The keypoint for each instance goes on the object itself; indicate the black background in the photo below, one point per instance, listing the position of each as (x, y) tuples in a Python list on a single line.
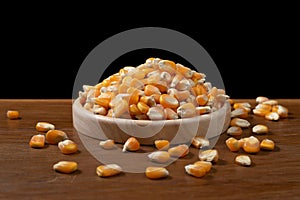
[(256, 53)]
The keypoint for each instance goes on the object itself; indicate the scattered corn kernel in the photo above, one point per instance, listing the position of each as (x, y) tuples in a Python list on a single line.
[(159, 156), (281, 110), (55, 136), (261, 99), (243, 160), (66, 167), (260, 129), (13, 114), (67, 146), (107, 144), (267, 144), (162, 144), (243, 123), (205, 164), (239, 112), (200, 142), (195, 170), (156, 172), (251, 145), (108, 170), (210, 155), (233, 144), (273, 116), (44, 126), (271, 102), (234, 131), (131, 144), (179, 151), (37, 141)]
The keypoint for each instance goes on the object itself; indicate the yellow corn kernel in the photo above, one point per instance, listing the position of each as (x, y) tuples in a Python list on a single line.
[(260, 112), (245, 105), (201, 110), (120, 108), (185, 71), (55, 136), (139, 74), (149, 100), (151, 89), (243, 160), (205, 164), (234, 131), (265, 107), (156, 97), (261, 99), (199, 89), (133, 110), (159, 156), (251, 145), (231, 101), (233, 144), (184, 84), (202, 99), (200, 142), (168, 66), (210, 155), (273, 116), (99, 110), (186, 110), (197, 76), (13, 114), (243, 123), (271, 102), (66, 167), (267, 144), (104, 98), (44, 126), (107, 144), (123, 89), (144, 108), (239, 112), (162, 144), (156, 172), (168, 101), (108, 170), (260, 129), (161, 85), (170, 113), (135, 83), (156, 113), (179, 151), (37, 141), (134, 97), (195, 170), (131, 144), (67, 146), (281, 110)]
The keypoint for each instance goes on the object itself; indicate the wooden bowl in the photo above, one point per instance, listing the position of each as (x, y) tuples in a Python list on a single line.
[(147, 131)]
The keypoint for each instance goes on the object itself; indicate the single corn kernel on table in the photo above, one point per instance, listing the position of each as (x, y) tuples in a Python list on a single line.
[(27, 173)]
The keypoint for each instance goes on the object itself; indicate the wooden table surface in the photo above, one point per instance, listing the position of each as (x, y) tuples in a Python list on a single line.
[(26, 173)]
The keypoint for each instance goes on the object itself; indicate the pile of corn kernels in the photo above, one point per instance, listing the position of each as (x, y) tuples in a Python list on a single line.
[(155, 90)]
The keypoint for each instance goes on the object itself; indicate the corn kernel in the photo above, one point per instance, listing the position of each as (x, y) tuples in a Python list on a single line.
[(170, 114), (55, 136), (168, 101), (179, 151), (131, 144), (159, 156), (200, 142), (243, 123), (260, 129), (195, 170), (66, 167), (108, 170), (156, 172), (107, 144), (44, 126), (151, 89), (251, 145), (271, 102), (162, 144), (239, 112), (267, 144), (156, 113), (67, 146), (37, 141), (281, 110), (261, 99), (234, 131), (233, 144), (210, 155), (273, 116), (205, 164), (202, 99), (13, 114), (186, 110), (243, 160)]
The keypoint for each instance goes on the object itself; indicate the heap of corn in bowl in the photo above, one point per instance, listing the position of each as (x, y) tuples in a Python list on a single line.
[(155, 90)]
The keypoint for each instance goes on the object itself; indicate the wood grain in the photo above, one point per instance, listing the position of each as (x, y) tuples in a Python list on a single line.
[(26, 173)]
